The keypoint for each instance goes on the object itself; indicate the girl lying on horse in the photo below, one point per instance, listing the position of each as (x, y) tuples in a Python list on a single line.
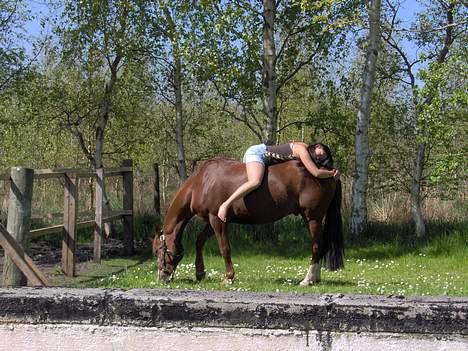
[(314, 157)]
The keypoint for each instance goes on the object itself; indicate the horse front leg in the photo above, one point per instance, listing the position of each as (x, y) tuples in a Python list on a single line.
[(313, 274), (202, 237), (221, 230)]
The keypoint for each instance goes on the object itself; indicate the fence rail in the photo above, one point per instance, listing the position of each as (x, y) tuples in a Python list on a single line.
[(20, 186), (37, 233)]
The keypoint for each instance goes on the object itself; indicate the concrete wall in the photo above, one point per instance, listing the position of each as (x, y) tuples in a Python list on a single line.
[(99, 319)]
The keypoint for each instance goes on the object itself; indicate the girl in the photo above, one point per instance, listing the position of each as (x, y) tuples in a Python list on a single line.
[(257, 157)]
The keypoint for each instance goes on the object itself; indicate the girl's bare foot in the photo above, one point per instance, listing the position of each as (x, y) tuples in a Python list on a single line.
[(222, 212)]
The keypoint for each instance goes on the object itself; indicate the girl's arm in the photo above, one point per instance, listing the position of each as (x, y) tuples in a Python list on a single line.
[(300, 151)]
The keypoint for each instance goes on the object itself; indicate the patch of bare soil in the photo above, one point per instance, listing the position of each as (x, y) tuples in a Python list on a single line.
[(48, 258)]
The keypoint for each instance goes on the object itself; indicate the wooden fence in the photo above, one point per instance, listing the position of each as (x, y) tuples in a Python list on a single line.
[(17, 265)]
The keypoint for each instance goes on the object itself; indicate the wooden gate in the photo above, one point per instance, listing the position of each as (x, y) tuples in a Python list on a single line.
[(18, 266)]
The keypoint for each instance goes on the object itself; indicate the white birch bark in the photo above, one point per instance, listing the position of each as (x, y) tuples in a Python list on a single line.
[(359, 193)]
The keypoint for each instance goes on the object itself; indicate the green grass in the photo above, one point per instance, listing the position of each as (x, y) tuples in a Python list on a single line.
[(388, 261)]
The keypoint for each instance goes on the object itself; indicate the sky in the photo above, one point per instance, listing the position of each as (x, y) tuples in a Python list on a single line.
[(40, 11), (408, 11)]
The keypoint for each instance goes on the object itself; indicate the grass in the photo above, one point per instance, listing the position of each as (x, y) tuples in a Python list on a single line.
[(388, 261)]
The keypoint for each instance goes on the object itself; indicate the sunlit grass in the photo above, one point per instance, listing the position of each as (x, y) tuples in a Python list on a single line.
[(436, 266)]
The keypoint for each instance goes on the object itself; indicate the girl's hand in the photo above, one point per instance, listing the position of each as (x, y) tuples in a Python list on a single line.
[(336, 174)]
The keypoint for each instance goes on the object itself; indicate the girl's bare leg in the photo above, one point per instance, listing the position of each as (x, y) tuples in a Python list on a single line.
[(255, 172)]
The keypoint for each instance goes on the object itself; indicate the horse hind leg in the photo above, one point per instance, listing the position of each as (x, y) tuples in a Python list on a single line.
[(202, 237), (313, 274), (221, 230)]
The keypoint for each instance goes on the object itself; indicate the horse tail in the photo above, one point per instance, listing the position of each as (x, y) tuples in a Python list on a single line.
[(333, 258)]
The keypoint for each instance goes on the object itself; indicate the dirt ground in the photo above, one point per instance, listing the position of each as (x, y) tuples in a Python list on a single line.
[(48, 259)]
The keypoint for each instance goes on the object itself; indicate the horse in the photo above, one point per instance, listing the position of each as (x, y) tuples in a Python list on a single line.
[(287, 188)]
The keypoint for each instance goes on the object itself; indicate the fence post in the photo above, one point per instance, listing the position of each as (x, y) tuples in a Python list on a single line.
[(128, 205), (70, 214), (98, 225), (157, 197), (18, 221)]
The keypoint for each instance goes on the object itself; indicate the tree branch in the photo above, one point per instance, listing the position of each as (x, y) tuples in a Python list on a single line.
[(301, 64)]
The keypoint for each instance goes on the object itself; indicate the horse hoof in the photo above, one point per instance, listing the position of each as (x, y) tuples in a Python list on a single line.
[(228, 281), (305, 283), (200, 276)]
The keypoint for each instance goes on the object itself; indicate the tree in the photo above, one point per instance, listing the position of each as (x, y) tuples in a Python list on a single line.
[(359, 196), (436, 41), (255, 49), (12, 56), (103, 36), (170, 20)]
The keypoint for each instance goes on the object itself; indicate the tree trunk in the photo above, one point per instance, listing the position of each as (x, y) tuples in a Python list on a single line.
[(177, 82), (179, 129), (415, 189), (104, 112), (269, 72), (415, 195), (359, 195), (269, 100)]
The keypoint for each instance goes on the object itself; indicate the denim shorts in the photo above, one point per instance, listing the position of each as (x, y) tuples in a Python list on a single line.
[(255, 153)]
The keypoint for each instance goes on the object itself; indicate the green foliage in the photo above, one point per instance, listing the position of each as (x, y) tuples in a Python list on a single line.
[(48, 114), (231, 56), (443, 104), (13, 59)]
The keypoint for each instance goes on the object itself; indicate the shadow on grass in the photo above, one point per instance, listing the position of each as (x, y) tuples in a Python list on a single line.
[(114, 266), (382, 241)]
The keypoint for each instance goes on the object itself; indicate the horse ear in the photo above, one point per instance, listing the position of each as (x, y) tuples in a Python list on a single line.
[(157, 230)]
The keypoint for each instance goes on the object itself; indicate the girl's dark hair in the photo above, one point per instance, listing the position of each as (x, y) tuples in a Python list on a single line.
[(327, 162)]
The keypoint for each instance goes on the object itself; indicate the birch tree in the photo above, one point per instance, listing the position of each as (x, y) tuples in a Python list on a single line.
[(255, 49), (359, 192)]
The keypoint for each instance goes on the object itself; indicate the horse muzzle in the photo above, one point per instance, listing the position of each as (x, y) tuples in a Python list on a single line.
[(165, 275)]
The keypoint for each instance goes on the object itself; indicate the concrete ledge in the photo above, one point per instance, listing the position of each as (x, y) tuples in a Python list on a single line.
[(366, 322), (160, 307)]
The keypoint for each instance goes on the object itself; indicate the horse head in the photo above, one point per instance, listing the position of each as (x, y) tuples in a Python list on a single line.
[(167, 259)]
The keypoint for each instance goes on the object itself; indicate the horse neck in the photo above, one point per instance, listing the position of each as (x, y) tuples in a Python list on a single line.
[(177, 216)]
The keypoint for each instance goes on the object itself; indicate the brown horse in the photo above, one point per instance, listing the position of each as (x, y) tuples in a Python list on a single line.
[(287, 188)]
